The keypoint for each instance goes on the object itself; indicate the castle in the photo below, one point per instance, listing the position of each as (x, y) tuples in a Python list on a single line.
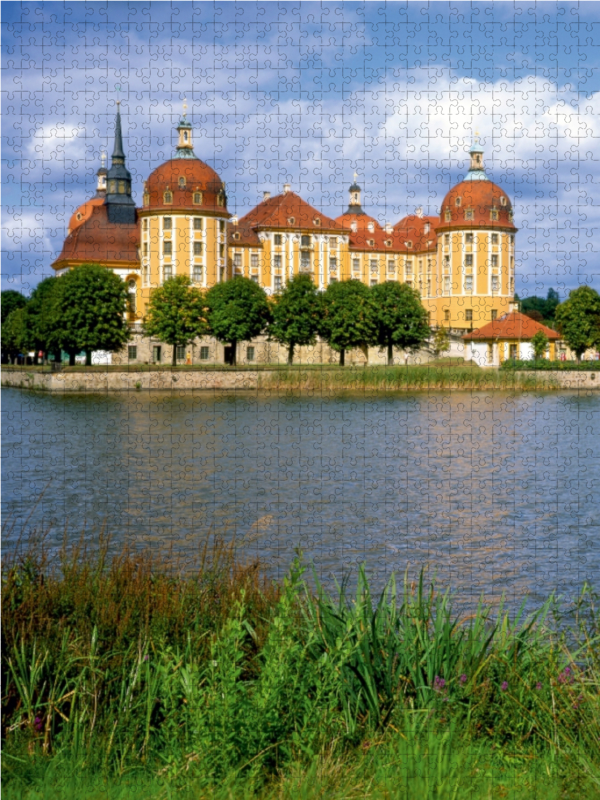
[(462, 262)]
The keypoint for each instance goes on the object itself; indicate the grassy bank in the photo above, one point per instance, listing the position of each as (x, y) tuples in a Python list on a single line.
[(415, 377), (130, 677)]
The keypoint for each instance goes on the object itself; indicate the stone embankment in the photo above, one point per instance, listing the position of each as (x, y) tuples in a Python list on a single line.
[(111, 380)]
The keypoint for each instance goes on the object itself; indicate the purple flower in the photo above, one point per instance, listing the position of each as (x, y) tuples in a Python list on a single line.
[(565, 676), (438, 683), (38, 724), (463, 678), (146, 657), (504, 686), (538, 686)]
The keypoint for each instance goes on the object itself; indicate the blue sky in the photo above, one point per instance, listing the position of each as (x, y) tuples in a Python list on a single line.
[(308, 93)]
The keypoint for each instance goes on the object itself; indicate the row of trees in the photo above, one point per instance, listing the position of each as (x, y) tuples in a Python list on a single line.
[(83, 310), (346, 315)]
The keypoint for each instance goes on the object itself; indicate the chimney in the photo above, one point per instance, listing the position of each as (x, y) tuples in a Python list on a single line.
[(286, 188), (266, 196)]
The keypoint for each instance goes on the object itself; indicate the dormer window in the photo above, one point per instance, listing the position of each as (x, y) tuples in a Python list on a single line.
[(447, 215), (458, 201), (388, 243), (409, 245), (503, 201), (181, 183), (469, 213), (221, 198), (371, 227), (494, 214), (197, 198), (316, 221), (427, 228), (146, 199), (236, 236), (371, 243), (353, 227), (168, 198), (291, 220)]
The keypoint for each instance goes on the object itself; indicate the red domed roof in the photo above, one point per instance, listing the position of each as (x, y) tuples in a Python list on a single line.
[(84, 212), (362, 222), (419, 230), (478, 198), (198, 177), (97, 240)]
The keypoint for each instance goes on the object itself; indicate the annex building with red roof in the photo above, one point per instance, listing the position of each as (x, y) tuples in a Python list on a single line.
[(507, 337)]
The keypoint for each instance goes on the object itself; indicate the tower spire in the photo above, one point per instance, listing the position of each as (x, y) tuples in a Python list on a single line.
[(476, 171), (118, 151), (185, 147), (119, 202)]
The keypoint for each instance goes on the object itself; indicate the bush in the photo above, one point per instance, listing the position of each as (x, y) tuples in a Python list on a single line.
[(543, 364)]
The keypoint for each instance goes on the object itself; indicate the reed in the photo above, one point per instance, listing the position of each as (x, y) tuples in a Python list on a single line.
[(130, 671)]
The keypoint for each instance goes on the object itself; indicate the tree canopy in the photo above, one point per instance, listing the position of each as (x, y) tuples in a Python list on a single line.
[(237, 311), (400, 317), (348, 318), (176, 313), (539, 342), (41, 317), (578, 320), (296, 314), (10, 300), (90, 303), (14, 333), (544, 307)]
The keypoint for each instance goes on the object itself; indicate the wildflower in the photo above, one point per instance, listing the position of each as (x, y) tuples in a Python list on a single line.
[(504, 686), (463, 679), (565, 676), (146, 657), (538, 686), (38, 724), (438, 684)]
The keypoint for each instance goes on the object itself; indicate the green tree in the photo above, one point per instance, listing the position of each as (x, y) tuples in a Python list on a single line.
[(176, 313), (14, 334), (539, 308), (10, 301), (296, 314), (539, 343), (400, 318), (578, 319), (89, 309), (41, 318), (441, 341), (237, 312), (348, 318)]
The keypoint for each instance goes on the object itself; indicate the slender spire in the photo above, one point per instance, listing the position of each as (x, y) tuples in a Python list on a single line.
[(120, 203), (118, 151)]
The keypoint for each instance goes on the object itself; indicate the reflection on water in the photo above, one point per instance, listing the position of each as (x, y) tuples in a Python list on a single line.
[(496, 493)]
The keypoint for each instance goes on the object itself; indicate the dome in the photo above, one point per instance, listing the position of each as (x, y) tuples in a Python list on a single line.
[(84, 212), (362, 221), (97, 239), (477, 203), (419, 230), (184, 178)]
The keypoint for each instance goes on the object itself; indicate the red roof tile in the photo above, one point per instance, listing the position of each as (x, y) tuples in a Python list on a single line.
[(97, 240), (512, 326), (198, 177), (288, 210), (480, 197)]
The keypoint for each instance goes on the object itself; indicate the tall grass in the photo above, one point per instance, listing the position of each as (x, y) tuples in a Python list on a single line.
[(418, 377), (219, 682)]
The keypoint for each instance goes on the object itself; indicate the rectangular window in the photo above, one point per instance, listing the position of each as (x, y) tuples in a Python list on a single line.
[(469, 238), (356, 265), (409, 267), (197, 248), (494, 314), (494, 262), (469, 315), (305, 241), (469, 214), (409, 283), (333, 241), (197, 274), (145, 248), (332, 263), (447, 285), (513, 351), (221, 226), (168, 248), (197, 223), (468, 283), (180, 352), (468, 260), (446, 239), (428, 287), (168, 271), (493, 214), (156, 354), (277, 261), (305, 260), (391, 266), (167, 223), (429, 264), (204, 353), (277, 282), (237, 260), (446, 315), (511, 286), (495, 283), (132, 352), (254, 260), (420, 265), (373, 265), (221, 251), (254, 278), (494, 238), (374, 282), (277, 239), (446, 262), (250, 354)]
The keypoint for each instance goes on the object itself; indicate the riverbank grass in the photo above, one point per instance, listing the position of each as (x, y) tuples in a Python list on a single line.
[(129, 676)]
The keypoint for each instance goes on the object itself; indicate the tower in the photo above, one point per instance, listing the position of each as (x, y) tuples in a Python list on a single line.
[(119, 202), (102, 173)]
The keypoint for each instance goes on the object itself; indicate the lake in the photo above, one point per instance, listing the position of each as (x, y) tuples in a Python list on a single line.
[(496, 493)]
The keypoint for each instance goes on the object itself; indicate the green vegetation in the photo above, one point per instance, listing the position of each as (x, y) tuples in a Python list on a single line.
[(14, 333), (400, 318), (441, 341), (237, 312), (128, 676), (348, 317), (296, 315), (10, 301), (543, 364), (539, 342), (176, 313), (578, 320), (539, 308)]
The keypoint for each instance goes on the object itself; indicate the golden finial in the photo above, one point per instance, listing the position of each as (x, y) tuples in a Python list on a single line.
[(355, 176), (103, 158), (184, 106)]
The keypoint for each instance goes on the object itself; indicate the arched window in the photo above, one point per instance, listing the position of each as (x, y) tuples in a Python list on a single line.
[(132, 288), (181, 183), (458, 201), (221, 198), (121, 187), (503, 201), (447, 215), (168, 198), (185, 136), (197, 198)]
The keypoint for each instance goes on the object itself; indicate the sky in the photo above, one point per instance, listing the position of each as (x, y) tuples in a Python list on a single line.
[(308, 94)]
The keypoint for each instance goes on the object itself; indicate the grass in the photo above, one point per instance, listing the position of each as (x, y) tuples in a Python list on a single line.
[(130, 676), (546, 365)]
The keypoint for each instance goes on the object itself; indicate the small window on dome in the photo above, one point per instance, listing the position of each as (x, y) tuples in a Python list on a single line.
[(168, 198), (409, 245), (197, 198), (388, 243), (181, 183), (112, 187), (371, 227), (503, 201), (447, 215), (469, 213), (79, 215), (494, 214), (316, 221), (221, 198), (236, 236), (185, 136), (371, 243), (291, 220), (146, 199), (458, 201)]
